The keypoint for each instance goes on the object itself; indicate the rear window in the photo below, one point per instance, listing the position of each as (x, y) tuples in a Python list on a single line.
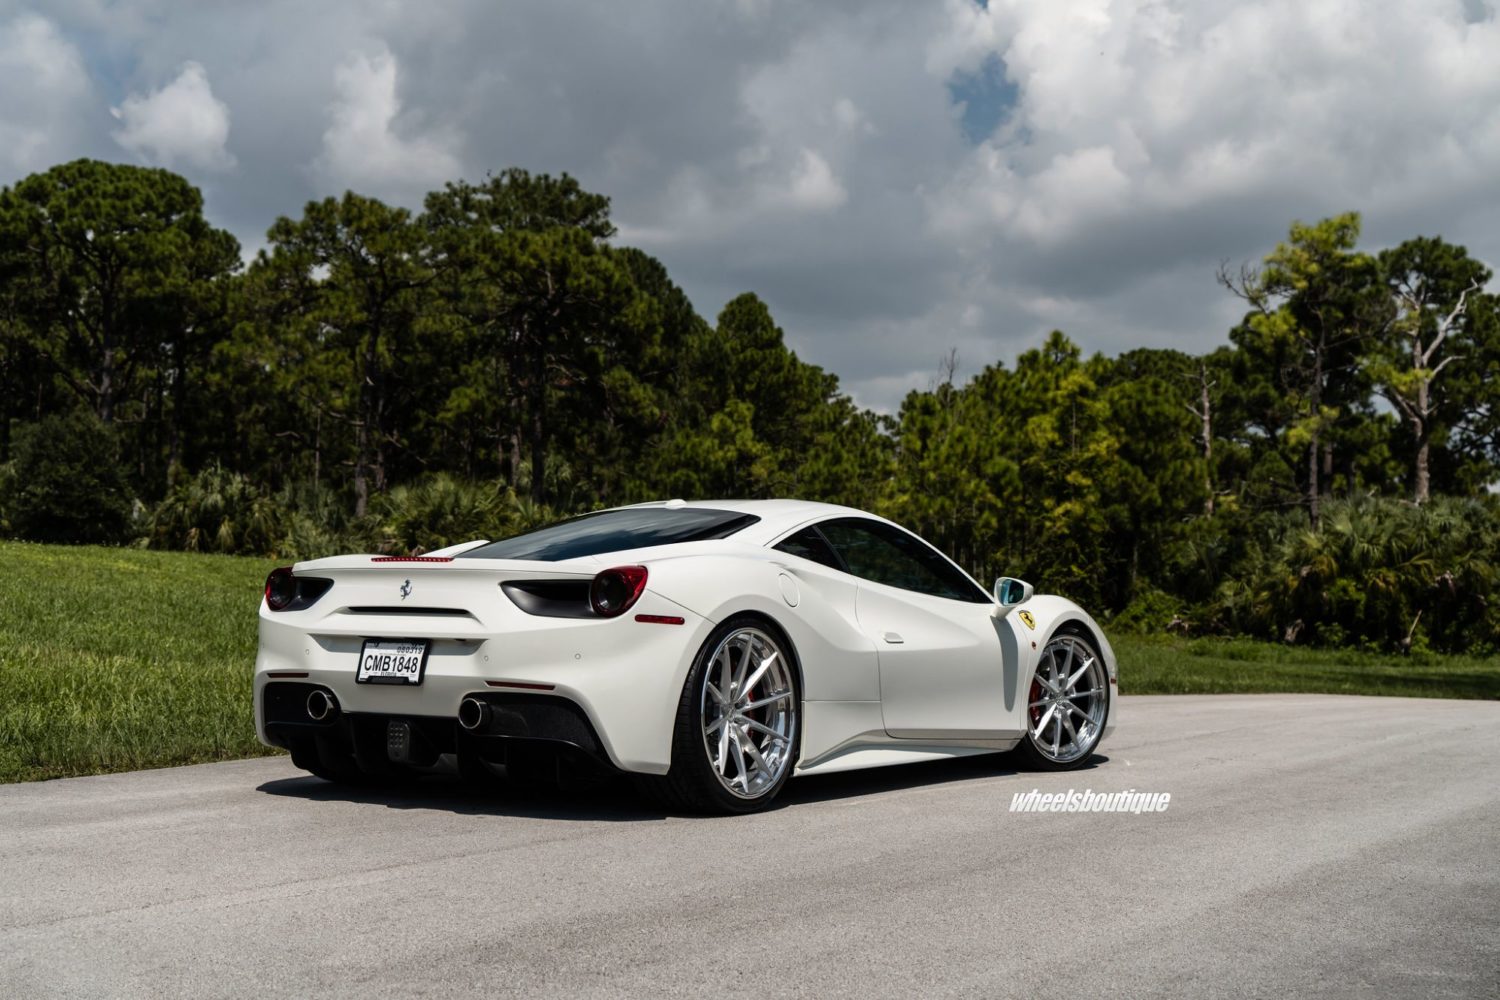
[(616, 531)]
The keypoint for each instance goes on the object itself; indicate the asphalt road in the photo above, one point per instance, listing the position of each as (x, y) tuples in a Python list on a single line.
[(1345, 847)]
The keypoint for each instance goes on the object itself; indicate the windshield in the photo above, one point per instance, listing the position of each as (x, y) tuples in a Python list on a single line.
[(616, 531)]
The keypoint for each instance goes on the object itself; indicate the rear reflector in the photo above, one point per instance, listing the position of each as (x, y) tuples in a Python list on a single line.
[(659, 619), (286, 673), (521, 684), (385, 559)]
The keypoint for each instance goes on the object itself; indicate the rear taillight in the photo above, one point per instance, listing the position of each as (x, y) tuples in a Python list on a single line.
[(615, 590), (287, 592), (281, 588)]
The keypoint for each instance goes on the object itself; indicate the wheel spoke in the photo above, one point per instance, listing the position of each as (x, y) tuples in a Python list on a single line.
[(718, 695), (1073, 680), (725, 678), (1041, 726), (748, 745), (760, 672), (713, 725), (1057, 735), (738, 686), (739, 761), (751, 723), (768, 700), (722, 763)]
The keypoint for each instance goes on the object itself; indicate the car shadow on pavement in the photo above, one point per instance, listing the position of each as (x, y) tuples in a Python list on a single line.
[(612, 801), (618, 801)]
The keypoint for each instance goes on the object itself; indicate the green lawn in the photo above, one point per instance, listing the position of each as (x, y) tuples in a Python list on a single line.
[(116, 659), (1152, 665)]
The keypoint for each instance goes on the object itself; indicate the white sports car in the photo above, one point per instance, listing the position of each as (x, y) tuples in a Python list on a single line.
[(710, 648)]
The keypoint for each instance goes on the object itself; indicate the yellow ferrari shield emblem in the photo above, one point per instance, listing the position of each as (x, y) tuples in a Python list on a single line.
[(1025, 616)]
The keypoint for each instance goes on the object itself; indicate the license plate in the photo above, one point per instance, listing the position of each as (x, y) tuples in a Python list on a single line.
[(392, 661)]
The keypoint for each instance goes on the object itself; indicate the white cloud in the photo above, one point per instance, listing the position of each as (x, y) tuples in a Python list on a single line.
[(47, 95), (1142, 109), (813, 152), (814, 186), (361, 146), (183, 123)]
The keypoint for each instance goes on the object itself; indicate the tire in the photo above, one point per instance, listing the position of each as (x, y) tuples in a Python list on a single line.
[(1053, 740), (709, 729)]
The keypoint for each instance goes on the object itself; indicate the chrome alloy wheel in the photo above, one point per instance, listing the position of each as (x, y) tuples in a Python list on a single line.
[(749, 710), (1069, 697)]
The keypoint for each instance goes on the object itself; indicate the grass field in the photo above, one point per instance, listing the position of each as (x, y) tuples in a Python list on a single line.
[(1152, 665), (117, 659)]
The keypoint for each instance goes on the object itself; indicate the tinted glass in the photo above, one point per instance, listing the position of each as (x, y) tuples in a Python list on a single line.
[(888, 555), (616, 531), (808, 544)]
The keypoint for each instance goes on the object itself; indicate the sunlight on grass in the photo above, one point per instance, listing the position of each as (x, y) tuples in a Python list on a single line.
[(116, 659)]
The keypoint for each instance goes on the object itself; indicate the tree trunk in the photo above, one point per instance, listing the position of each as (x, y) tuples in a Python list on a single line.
[(6, 400), (1208, 442), (515, 457), (538, 424), (1422, 477), (362, 430), (175, 446), (106, 406), (361, 486), (1314, 446)]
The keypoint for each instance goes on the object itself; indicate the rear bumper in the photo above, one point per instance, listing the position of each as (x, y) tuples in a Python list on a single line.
[(518, 724), (621, 679)]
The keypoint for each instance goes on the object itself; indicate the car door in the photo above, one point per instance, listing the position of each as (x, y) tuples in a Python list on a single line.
[(942, 671)]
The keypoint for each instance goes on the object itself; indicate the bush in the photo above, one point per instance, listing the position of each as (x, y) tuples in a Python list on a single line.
[(217, 511), (434, 512), (1379, 574), (1151, 611), (65, 484), (441, 510)]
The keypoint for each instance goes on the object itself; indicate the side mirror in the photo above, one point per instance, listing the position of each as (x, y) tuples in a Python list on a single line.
[(1010, 592)]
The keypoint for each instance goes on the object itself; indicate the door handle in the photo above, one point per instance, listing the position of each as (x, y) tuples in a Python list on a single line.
[(894, 638)]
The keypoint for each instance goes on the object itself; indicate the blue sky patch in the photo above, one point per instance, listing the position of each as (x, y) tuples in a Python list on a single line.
[(986, 96)]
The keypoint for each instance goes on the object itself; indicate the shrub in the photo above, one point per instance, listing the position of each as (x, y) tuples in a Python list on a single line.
[(65, 483), (441, 510), (1152, 611), (217, 511), (1381, 574), (434, 512)]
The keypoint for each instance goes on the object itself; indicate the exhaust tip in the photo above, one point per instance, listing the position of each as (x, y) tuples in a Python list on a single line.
[(473, 714), (321, 706)]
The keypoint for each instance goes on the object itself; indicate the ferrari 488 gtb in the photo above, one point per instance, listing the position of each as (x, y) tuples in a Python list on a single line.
[(712, 649)]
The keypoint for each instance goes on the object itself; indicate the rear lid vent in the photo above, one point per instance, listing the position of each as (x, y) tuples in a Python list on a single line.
[(397, 609)]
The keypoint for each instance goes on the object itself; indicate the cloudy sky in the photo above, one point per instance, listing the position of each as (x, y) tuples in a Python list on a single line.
[(895, 177)]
